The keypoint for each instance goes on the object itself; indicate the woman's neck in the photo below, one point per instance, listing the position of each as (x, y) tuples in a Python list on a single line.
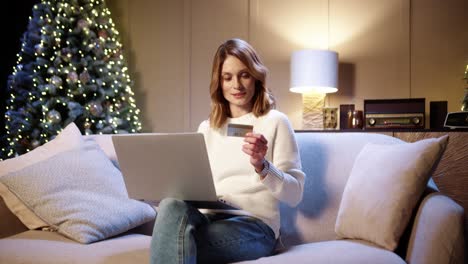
[(239, 111)]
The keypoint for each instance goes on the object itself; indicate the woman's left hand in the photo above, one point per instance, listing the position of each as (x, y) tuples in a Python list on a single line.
[(256, 147)]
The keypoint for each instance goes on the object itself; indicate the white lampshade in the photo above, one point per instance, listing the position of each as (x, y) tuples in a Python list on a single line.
[(314, 71)]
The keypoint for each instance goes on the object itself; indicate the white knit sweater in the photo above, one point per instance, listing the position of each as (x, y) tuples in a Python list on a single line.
[(235, 178)]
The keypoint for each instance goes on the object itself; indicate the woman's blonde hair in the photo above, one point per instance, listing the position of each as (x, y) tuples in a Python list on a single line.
[(263, 100)]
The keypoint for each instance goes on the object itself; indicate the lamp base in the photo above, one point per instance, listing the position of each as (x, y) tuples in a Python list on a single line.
[(312, 112)]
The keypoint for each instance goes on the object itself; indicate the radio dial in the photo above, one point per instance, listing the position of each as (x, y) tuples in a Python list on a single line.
[(371, 121), (416, 120)]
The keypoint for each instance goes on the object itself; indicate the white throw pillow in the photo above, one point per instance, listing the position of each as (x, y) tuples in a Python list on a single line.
[(383, 188), (80, 194), (69, 138)]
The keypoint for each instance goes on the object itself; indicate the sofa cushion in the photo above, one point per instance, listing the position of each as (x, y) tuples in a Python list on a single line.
[(41, 247), (79, 193), (47, 247), (333, 252), (327, 159), (106, 144), (383, 188), (69, 138)]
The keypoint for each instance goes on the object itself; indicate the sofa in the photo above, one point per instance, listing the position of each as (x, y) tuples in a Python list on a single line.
[(433, 234)]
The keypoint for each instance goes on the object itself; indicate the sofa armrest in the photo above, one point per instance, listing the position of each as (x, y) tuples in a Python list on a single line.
[(437, 235)]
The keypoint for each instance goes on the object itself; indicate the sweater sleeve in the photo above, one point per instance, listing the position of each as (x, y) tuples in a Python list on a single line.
[(285, 177)]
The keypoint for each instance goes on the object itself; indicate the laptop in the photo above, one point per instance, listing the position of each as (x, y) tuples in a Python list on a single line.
[(156, 166)]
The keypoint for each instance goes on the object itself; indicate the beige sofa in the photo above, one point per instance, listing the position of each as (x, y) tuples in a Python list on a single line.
[(434, 234)]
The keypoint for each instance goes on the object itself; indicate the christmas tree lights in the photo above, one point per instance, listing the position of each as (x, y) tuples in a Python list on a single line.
[(70, 69), (464, 106)]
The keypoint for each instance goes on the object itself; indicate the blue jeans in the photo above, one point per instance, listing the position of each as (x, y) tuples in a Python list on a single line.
[(182, 234)]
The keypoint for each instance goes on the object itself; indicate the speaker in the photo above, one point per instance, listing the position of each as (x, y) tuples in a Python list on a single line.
[(437, 114), (345, 113)]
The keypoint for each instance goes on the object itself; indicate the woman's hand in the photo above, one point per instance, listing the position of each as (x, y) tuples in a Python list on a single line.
[(256, 147)]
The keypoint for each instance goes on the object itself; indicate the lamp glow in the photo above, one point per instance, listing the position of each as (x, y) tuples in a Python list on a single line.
[(314, 71)]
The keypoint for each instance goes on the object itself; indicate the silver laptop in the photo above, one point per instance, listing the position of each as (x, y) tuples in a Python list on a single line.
[(156, 166)]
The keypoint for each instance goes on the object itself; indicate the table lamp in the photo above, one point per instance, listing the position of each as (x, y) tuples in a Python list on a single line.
[(314, 73)]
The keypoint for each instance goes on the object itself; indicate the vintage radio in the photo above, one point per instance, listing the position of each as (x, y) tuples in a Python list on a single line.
[(394, 113), (395, 120)]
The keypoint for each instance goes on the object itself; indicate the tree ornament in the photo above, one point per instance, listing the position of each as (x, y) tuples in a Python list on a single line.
[(24, 142), (98, 50), (118, 121), (35, 133), (72, 77), (54, 117), (102, 34), (39, 49), (107, 130), (84, 77), (117, 53), (83, 62), (66, 54), (55, 80), (103, 20), (95, 108), (35, 143), (82, 23), (41, 61), (51, 89), (57, 61)]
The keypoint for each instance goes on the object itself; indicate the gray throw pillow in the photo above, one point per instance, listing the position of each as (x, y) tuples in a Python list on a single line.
[(80, 194)]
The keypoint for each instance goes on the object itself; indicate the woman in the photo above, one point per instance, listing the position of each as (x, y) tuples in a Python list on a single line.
[(254, 172)]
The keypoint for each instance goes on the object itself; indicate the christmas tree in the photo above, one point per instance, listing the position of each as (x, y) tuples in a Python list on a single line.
[(70, 69), (465, 99)]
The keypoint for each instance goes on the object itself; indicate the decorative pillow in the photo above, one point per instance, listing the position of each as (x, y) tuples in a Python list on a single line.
[(69, 138), (383, 188), (79, 193)]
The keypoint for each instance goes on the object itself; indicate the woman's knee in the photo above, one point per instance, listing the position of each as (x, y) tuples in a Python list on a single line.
[(172, 205)]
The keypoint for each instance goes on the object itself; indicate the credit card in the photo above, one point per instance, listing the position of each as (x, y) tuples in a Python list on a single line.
[(238, 130)]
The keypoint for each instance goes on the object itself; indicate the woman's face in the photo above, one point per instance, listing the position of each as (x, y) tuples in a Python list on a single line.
[(238, 86)]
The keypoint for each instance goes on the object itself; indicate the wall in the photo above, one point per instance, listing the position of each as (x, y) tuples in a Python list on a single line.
[(387, 49)]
